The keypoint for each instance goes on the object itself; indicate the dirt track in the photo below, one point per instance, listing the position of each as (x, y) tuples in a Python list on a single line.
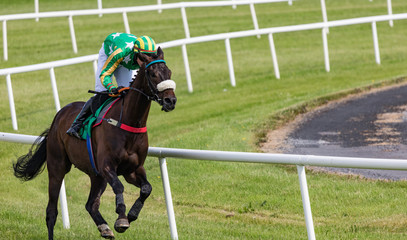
[(369, 125)]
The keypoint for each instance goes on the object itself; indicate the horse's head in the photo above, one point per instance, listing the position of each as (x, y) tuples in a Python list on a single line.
[(158, 76)]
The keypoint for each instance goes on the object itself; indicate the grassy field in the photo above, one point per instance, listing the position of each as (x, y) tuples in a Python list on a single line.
[(212, 200)]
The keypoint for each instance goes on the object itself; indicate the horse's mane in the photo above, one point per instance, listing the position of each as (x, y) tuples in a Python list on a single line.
[(139, 77)]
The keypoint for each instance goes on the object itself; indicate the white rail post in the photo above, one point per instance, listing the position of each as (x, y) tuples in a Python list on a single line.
[(306, 203), (375, 43), (159, 3), (290, 2), (185, 21), (390, 11), (73, 38), (126, 22), (64, 206), (230, 63), (326, 53), (274, 56), (36, 9), (324, 15), (100, 7), (5, 50), (254, 18), (234, 6), (54, 89), (187, 70), (11, 102), (95, 66), (168, 198)]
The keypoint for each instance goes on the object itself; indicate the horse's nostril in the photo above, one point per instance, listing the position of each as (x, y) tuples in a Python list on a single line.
[(170, 101)]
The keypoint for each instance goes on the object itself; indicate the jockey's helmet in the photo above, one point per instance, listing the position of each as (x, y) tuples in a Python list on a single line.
[(145, 44)]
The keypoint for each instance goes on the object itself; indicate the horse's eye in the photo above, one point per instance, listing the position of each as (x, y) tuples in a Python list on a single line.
[(153, 75)]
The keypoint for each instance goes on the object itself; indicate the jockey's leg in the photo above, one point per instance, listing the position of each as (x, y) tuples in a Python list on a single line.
[(78, 123)]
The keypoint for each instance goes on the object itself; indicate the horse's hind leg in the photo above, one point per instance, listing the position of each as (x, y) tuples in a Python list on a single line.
[(98, 186), (52, 208), (57, 168), (139, 179)]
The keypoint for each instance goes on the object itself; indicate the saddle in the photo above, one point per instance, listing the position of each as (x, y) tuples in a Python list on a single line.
[(96, 118)]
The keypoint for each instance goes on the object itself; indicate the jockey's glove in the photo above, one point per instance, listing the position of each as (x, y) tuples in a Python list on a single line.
[(116, 91)]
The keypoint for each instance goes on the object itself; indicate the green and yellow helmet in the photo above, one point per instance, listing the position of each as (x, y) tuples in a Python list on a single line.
[(145, 44)]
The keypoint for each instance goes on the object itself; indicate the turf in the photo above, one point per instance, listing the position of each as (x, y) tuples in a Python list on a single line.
[(212, 200)]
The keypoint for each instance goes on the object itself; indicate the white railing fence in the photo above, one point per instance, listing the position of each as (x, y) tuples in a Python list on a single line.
[(159, 7), (325, 16), (290, 159), (50, 66), (216, 37), (124, 11), (100, 7)]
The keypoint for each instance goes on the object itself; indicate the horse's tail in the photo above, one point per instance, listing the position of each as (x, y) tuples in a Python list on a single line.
[(30, 165)]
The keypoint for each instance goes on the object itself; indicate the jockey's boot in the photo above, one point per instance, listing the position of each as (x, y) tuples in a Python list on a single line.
[(78, 123)]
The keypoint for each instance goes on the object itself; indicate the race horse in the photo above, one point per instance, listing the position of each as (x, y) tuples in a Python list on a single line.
[(117, 150)]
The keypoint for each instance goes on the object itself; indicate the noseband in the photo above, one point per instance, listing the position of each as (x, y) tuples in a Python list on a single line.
[(154, 90)]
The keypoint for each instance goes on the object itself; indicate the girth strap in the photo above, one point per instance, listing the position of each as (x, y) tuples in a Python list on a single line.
[(90, 153)]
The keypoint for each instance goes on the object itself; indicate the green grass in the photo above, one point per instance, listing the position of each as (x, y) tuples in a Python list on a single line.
[(212, 200)]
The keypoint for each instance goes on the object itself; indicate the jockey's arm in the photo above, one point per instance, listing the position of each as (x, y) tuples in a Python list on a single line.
[(109, 67)]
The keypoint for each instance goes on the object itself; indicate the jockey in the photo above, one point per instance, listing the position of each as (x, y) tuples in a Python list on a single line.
[(118, 57)]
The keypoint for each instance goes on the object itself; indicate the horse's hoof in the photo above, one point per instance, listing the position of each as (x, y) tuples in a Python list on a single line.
[(105, 231), (121, 225)]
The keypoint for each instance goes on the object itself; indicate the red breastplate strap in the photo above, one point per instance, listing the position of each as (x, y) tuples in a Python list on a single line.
[(126, 127)]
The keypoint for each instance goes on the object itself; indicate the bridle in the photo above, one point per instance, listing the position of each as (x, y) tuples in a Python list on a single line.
[(155, 90)]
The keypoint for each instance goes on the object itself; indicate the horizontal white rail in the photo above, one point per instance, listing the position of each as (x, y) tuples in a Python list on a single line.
[(124, 10), (17, 138), (48, 65), (291, 159), (293, 28), (132, 9)]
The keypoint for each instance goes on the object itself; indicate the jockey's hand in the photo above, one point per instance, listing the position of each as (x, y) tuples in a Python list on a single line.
[(119, 88), (114, 91)]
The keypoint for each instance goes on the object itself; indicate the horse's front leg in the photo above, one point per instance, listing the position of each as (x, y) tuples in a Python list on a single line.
[(110, 175), (139, 179)]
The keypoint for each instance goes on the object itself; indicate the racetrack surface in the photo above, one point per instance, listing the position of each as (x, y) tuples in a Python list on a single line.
[(371, 125)]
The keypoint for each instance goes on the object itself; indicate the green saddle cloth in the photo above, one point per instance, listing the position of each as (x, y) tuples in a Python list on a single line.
[(90, 122)]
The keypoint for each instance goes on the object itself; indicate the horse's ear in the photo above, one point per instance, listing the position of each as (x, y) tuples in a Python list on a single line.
[(141, 58), (160, 53)]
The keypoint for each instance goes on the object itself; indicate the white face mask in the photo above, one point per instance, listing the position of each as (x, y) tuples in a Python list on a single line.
[(166, 84)]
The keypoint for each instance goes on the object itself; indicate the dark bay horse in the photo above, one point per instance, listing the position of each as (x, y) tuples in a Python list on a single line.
[(117, 151)]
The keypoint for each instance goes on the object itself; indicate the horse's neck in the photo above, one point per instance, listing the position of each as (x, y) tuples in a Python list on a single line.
[(136, 107)]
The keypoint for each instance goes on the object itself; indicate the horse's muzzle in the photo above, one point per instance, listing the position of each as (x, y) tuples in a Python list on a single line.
[(168, 104)]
